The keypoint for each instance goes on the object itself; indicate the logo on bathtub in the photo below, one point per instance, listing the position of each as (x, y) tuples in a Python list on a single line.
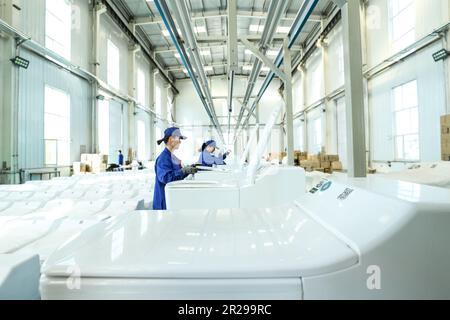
[(344, 195), (324, 185)]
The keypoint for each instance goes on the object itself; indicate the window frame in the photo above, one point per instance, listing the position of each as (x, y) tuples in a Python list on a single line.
[(394, 43), (395, 112), (66, 117)]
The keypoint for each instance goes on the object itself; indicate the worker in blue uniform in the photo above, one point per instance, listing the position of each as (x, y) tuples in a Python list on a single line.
[(168, 167), (120, 160), (207, 157)]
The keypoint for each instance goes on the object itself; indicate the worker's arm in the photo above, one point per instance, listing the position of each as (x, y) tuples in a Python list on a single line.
[(167, 174)]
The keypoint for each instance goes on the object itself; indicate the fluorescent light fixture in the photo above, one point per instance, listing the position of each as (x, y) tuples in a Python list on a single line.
[(272, 52), (177, 55), (248, 52), (283, 29), (256, 28), (20, 62), (441, 55), (247, 68), (209, 68), (185, 70), (200, 29), (265, 69), (166, 33), (205, 52)]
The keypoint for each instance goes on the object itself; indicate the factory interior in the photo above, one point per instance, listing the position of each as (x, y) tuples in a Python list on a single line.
[(224, 150)]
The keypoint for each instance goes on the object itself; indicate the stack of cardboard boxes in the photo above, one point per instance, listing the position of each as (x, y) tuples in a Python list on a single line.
[(445, 137), (278, 156), (299, 157), (91, 163), (321, 162)]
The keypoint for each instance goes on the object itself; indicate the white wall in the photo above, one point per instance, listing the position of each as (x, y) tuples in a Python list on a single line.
[(431, 95), (31, 21), (109, 31), (432, 82), (429, 16), (31, 109)]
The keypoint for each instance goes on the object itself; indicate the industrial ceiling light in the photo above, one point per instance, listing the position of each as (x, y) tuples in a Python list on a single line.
[(20, 62), (441, 55)]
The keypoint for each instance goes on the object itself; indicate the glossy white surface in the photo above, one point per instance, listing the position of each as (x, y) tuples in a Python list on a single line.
[(19, 277), (400, 231), (173, 289), (265, 243), (269, 190)]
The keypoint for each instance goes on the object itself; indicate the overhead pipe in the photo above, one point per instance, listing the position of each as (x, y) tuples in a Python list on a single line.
[(275, 13), (181, 12), (303, 15), (161, 5)]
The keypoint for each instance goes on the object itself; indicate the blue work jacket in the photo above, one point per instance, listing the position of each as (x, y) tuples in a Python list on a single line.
[(167, 169), (208, 159)]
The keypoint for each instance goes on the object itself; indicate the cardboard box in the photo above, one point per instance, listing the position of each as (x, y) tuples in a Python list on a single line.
[(445, 120), (305, 163), (325, 164), (446, 157), (336, 166), (315, 163)]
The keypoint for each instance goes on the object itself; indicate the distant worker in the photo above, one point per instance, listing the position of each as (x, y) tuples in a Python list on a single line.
[(120, 158), (207, 157), (168, 167)]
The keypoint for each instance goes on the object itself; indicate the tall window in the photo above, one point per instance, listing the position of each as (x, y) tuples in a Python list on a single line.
[(113, 65), (103, 127), (57, 127), (58, 26), (403, 21), (141, 140), (141, 92), (317, 135), (406, 119), (315, 131)]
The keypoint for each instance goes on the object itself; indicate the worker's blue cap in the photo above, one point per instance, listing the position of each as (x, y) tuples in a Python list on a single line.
[(211, 143), (172, 132)]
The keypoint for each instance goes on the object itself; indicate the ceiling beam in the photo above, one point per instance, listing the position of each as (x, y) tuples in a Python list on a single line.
[(221, 14), (211, 46)]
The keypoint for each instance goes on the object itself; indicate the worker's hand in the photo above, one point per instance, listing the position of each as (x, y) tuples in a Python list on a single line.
[(189, 170)]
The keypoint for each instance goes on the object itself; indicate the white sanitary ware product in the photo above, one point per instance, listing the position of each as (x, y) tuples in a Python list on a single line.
[(241, 254), (73, 194), (435, 174), (65, 231), (274, 186), (4, 205), (19, 277), (21, 208), (18, 232), (120, 207), (369, 238)]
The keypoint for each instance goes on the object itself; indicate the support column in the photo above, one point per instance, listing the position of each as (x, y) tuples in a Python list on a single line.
[(288, 99), (8, 102), (98, 10), (354, 91), (132, 51), (446, 9), (305, 96), (257, 123), (153, 137)]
